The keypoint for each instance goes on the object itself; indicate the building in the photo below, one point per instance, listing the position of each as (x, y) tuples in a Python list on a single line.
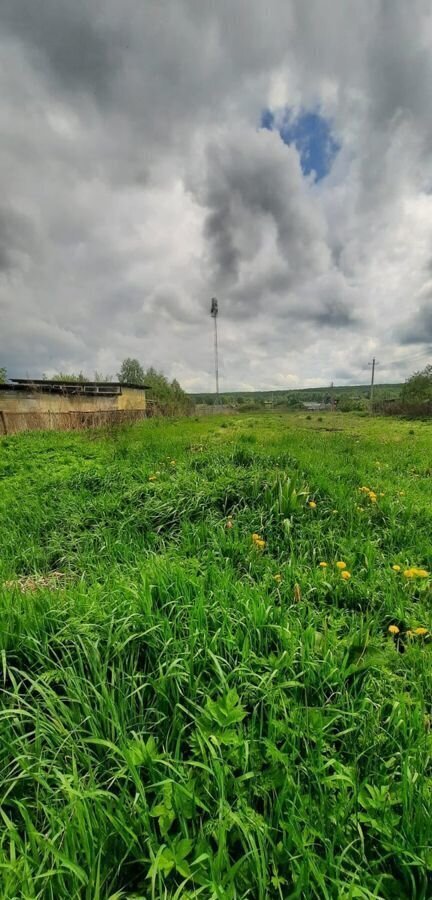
[(326, 404), (32, 404)]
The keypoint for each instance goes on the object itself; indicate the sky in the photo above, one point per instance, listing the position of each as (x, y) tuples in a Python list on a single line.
[(277, 156)]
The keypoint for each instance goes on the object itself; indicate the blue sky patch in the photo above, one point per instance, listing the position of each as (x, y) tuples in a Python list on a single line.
[(310, 133)]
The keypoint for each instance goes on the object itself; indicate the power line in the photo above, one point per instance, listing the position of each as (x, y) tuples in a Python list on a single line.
[(410, 358)]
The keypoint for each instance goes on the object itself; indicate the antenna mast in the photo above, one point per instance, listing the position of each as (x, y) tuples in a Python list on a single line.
[(214, 314)]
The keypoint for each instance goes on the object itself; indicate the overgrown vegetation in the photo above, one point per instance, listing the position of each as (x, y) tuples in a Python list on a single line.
[(168, 396), (215, 661), (418, 387)]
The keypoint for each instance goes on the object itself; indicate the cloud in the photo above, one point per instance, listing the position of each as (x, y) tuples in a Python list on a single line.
[(71, 40), (137, 183), (418, 328), (17, 239)]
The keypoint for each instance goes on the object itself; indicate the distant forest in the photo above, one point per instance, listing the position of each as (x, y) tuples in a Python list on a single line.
[(349, 395)]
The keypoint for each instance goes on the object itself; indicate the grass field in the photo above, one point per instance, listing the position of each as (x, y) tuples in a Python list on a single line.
[(190, 711)]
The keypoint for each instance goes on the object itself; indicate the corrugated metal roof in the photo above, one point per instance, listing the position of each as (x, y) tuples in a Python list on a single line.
[(95, 384)]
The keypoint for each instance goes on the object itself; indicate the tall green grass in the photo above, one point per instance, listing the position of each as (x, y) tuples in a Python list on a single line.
[(176, 722)]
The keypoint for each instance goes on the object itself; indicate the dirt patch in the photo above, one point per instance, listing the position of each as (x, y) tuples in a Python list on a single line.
[(27, 584)]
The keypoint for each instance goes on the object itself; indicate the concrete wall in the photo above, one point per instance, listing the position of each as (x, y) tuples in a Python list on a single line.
[(28, 410)]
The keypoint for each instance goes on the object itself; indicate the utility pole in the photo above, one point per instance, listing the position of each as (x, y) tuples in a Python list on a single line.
[(373, 364), (214, 314)]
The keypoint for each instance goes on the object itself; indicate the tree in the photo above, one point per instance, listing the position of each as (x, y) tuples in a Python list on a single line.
[(419, 386), (98, 376), (165, 393), (131, 372), (3, 374), (69, 378)]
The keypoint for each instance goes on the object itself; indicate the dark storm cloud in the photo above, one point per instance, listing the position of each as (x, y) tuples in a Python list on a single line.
[(334, 314), (254, 182), (419, 328), (70, 38)]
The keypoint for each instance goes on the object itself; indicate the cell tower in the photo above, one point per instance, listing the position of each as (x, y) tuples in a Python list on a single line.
[(214, 314)]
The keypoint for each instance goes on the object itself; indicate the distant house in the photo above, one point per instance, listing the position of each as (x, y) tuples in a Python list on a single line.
[(319, 407), (39, 404), (314, 407)]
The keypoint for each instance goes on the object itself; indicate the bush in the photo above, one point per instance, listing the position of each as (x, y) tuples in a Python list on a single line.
[(418, 387)]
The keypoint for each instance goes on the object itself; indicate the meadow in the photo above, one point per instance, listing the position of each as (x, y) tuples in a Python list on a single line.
[(215, 662)]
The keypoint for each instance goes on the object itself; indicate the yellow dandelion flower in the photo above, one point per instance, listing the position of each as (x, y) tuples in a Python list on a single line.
[(277, 578), (372, 498), (396, 568), (420, 631), (312, 504), (393, 629), (152, 477), (416, 573), (260, 544), (323, 565), (341, 565), (346, 575), (255, 536)]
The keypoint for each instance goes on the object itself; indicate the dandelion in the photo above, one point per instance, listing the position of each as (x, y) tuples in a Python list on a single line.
[(152, 477), (173, 462), (416, 573), (323, 565), (277, 578), (312, 504), (260, 544), (393, 629), (396, 568), (341, 565), (420, 631), (255, 536), (346, 575)]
